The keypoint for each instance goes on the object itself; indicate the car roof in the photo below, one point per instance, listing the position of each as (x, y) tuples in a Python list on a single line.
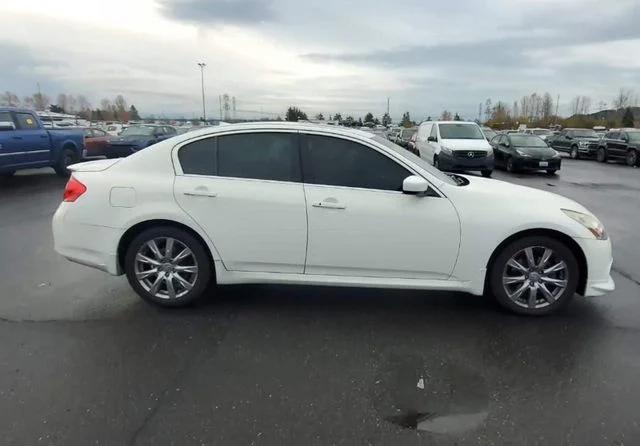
[(450, 122), (16, 109), (276, 125)]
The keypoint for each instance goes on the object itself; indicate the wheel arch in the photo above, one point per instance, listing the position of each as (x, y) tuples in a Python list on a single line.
[(561, 237), (139, 227)]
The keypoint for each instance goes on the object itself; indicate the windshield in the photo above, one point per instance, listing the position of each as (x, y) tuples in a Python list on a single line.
[(585, 133), (542, 132), (527, 141), (416, 159), (138, 131), (460, 131), (634, 136)]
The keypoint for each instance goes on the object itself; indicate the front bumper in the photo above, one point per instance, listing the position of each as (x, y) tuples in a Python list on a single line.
[(89, 245), (534, 163), (599, 262), (454, 163)]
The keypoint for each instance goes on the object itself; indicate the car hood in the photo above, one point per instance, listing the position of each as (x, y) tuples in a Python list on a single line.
[(466, 144), (519, 196), (545, 152)]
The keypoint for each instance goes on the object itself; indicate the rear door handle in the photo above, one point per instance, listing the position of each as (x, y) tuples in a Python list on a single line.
[(201, 194), (329, 205)]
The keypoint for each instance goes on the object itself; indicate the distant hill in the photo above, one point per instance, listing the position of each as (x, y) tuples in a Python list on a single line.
[(610, 115)]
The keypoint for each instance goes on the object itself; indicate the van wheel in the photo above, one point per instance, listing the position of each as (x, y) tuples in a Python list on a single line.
[(67, 157), (168, 266), (534, 276)]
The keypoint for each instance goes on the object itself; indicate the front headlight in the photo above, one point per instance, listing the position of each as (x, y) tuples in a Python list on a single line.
[(522, 153), (589, 222), (446, 150)]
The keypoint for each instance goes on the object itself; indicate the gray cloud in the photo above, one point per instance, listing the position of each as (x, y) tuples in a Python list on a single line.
[(218, 12)]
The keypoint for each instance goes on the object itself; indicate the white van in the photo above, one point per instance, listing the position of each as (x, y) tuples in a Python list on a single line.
[(455, 146)]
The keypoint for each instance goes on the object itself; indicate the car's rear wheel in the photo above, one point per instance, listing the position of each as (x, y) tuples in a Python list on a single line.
[(67, 157), (632, 158), (601, 155), (574, 153), (486, 173), (168, 266), (535, 275)]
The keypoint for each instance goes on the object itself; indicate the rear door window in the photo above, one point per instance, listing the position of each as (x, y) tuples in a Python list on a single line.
[(199, 157), (26, 121), (262, 156)]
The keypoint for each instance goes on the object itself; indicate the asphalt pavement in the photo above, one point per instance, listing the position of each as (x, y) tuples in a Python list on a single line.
[(84, 361)]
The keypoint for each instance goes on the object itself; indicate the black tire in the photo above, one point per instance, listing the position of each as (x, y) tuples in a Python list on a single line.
[(67, 157), (601, 155), (510, 166), (574, 153), (205, 267), (632, 158), (486, 173), (551, 171), (495, 274)]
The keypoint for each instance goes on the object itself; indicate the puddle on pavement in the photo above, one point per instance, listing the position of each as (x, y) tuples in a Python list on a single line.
[(441, 397)]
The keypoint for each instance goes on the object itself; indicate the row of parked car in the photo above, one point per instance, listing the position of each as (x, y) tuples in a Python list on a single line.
[(457, 145)]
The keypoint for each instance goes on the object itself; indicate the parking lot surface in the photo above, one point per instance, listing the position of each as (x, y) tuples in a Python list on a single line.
[(85, 361)]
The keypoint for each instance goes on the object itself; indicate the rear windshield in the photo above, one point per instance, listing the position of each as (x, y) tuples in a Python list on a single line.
[(460, 131), (527, 141)]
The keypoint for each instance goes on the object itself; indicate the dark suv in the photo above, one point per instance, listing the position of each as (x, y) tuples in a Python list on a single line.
[(621, 144), (575, 142)]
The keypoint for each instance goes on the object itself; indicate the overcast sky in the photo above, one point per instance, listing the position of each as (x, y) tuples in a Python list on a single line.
[(329, 56)]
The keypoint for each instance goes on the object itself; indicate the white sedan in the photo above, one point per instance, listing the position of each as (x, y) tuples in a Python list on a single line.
[(307, 204)]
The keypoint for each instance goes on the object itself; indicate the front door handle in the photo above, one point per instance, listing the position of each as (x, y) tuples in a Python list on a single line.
[(200, 194), (329, 204)]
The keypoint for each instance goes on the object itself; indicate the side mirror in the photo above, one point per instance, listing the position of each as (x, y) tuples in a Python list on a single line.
[(432, 139), (415, 185), (7, 125)]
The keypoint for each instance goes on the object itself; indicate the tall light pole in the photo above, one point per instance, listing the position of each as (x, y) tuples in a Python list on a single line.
[(204, 111)]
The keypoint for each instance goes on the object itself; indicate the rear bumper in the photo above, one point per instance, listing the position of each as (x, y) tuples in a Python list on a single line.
[(89, 245), (599, 262), (451, 162)]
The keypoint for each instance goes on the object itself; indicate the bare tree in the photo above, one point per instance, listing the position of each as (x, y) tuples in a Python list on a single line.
[(547, 106), (623, 98), (9, 98), (516, 111), (120, 104), (27, 101), (62, 102), (580, 105), (41, 101), (83, 103)]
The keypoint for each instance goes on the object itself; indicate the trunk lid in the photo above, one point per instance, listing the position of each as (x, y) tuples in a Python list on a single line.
[(93, 166)]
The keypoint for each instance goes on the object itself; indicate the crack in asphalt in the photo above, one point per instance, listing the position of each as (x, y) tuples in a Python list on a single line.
[(626, 275), (188, 365)]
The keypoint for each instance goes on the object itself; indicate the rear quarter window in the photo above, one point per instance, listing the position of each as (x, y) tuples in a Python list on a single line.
[(199, 157)]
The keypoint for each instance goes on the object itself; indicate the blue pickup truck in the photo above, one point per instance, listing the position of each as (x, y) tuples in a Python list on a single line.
[(26, 144)]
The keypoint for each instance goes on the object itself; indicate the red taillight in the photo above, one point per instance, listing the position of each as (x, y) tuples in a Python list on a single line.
[(73, 190)]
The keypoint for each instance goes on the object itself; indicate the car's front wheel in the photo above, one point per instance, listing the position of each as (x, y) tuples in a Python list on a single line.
[(168, 266), (574, 153), (535, 275), (601, 155), (632, 158)]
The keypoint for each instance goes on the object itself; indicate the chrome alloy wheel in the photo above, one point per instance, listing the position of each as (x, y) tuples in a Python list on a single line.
[(535, 277), (166, 268)]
